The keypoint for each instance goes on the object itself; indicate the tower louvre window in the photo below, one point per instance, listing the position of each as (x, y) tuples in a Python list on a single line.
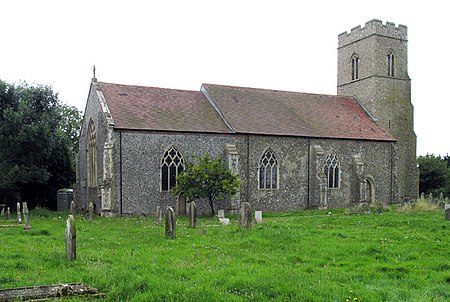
[(355, 67), (390, 64)]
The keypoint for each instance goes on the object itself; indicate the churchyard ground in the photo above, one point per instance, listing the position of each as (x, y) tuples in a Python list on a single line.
[(302, 256)]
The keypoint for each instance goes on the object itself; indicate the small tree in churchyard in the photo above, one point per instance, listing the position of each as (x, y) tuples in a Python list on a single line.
[(208, 178)]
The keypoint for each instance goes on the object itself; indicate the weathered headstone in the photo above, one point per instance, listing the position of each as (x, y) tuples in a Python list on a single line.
[(245, 215), (221, 214), (171, 223), (72, 208), (8, 213), (19, 215), (192, 215), (441, 196), (71, 238), (430, 197), (91, 211), (2, 213), (447, 211), (258, 216), (158, 215), (25, 216)]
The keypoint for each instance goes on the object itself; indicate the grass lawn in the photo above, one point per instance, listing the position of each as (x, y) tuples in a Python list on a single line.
[(302, 256)]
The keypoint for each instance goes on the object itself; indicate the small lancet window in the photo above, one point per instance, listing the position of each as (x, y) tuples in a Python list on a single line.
[(172, 164), (390, 63), (268, 170), (92, 155), (355, 67), (332, 170)]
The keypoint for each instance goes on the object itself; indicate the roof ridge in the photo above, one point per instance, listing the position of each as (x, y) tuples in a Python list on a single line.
[(150, 87)]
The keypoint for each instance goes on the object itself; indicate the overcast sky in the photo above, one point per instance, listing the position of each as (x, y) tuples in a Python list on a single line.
[(285, 45)]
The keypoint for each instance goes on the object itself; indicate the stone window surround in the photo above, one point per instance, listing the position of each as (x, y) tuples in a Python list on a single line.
[(332, 164), (273, 173), (180, 164)]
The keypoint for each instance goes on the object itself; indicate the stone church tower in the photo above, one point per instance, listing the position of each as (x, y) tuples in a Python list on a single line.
[(373, 68)]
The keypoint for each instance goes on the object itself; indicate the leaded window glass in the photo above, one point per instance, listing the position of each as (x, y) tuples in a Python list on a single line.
[(268, 170), (332, 170), (355, 67), (172, 164), (92, 155)]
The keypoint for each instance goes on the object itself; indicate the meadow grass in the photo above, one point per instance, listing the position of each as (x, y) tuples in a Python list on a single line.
[(300, 256)]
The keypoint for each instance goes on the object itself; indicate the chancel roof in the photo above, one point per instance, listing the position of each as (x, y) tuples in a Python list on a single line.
[(229, 109)]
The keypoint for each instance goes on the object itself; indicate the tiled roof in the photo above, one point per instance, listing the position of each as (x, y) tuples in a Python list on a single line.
[(262, 111), (149, 108)]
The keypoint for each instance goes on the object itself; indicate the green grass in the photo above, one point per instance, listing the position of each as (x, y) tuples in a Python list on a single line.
[(305, 256)]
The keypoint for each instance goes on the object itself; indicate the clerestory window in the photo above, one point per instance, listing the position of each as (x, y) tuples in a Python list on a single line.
[(332, 170), (172, 164), (390, 64), (268, 170), (355, 67)]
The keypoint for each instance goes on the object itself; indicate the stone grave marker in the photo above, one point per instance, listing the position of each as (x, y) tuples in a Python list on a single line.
[(422, 196), (8, 213), (221, 214), (447, 211), (258, 216), (245, 215), (2, 213), (158, 215), (72, 207), (91, 211), (224, 221), (192, 215), (430, 197), (171, 223), (441, 196), (25, 216), (71, 238), (19, 215)]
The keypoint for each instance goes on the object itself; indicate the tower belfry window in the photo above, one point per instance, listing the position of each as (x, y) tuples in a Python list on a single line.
[(355, 67), (390, 64)]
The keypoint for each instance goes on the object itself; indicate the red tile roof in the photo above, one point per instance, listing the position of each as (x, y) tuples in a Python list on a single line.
[(150, 108), (263, 111), (245, 110)]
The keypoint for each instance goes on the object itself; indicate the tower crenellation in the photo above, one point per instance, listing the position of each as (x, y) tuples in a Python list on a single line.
[(373, 27)]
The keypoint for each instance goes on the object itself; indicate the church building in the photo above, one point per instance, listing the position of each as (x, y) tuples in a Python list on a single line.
[(291, 150)]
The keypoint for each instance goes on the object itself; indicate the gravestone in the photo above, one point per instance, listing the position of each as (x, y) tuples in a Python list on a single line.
[(72, 207), (430, 197), (171, 223), (192, 215), (25, 216), (441, 196), (447, 211), (71, 238), (91, 211), (158, 215), (180, 205), (221, 214), (422, 196), (258, 216), (19, 215), (2, 213), (245, 215), (8, 213)]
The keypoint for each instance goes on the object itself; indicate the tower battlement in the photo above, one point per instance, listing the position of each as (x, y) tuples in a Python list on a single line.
[(373, 27)]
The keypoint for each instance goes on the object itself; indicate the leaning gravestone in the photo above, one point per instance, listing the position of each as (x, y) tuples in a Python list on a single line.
[(245, 215), (158, 215), (19, 215), (447, 211), (91, 211), (171, 223), (71, 238), (25, 216), (258, 216)]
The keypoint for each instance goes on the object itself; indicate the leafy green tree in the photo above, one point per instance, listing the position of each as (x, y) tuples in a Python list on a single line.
[(35, 159), (434, 174), (69, 128), (208, 178)]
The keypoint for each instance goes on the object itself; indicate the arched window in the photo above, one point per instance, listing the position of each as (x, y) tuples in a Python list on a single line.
[(332, 170), (390, 63), (355, 67), (172, 164), (268, 170), (92, 155)]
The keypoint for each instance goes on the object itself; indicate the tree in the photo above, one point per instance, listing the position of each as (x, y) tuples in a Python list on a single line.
[(434, 174), (208, 178), (34, 155), (69, 128)]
